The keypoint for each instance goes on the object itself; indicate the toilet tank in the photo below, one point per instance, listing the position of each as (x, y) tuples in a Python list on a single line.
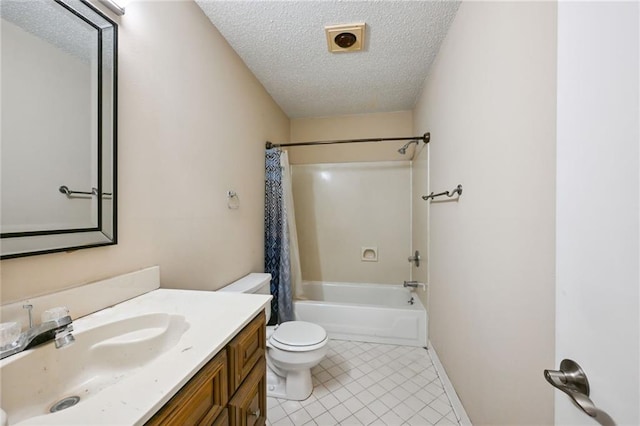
[(258, 283)]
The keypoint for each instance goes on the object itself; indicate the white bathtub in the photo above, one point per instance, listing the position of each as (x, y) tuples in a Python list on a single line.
[(376, 313)]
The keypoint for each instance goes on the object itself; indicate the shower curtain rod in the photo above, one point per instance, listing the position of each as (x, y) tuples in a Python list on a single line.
[(424, 138)]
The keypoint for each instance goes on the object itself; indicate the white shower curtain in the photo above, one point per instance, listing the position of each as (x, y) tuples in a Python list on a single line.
[(294, 253)]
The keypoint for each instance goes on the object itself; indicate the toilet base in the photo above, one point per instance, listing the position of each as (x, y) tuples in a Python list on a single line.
[(296, 387)]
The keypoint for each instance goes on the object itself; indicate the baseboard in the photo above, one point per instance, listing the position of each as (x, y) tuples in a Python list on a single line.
[(458, 408)]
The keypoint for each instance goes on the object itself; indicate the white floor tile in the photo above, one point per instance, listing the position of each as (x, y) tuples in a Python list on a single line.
[(333, 385), (425, 397), (271, 403), (377, 390), (400, 393), (441, 407), (369, 384), (326, 419), (391, 419), (336, 370), (329, 401), (452, 417), (378, 408), (320, 391), (323, 376), (389, 400), (434, 388), (312, 398), (403, 411), (290, 406), (353, 404), (342, 394), (365, 416), (387, 384), (315, 409), (414, 403), (366, 381), (327, 362), (430, 414), (340, 412), (284, 422), (446, 421), (350, 421), (418, 420), (410, 387), (300, 417), (276, 413), (366, 397), (354, 387), (344, 379)]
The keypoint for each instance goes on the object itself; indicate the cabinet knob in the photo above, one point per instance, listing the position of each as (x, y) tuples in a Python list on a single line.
[(255, 413)]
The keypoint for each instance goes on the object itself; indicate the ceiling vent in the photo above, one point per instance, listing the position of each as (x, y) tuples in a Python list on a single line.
[(345, 38)]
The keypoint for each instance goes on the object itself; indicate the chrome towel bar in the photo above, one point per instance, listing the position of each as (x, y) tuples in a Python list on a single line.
[(94, 191), (431, 196)]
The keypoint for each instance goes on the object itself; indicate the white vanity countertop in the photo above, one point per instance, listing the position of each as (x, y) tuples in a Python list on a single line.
[(213, 318)]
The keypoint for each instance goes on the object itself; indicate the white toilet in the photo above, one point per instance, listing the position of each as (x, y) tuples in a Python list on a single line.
[(293, 348)]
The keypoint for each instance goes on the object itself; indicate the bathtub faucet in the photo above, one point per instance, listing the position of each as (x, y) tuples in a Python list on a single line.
[(414, 284)]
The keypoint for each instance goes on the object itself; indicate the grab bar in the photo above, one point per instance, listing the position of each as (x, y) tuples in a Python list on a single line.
[(431, 196)]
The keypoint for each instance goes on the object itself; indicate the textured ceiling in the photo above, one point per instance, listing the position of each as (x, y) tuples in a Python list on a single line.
[(58, 26), (284, 45)]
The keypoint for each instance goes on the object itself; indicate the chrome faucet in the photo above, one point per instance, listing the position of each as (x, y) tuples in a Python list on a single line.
[(58, 329)]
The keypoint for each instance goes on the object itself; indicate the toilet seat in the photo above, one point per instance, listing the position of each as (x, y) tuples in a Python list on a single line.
[(298, 336)]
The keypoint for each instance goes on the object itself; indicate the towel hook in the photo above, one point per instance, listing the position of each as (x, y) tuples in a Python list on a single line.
[(233, 201)]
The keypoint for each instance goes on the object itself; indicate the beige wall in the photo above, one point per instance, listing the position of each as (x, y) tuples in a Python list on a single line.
[(341, 208), (361, 126), (193, 121), (490, 105)]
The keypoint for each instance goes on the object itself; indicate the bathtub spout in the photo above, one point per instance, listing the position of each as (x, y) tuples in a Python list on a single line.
[(414, 285)]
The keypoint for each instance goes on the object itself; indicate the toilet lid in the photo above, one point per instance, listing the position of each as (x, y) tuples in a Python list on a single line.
[(299, 333)]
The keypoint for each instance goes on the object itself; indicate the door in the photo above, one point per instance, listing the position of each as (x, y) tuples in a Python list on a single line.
[(597, 248)]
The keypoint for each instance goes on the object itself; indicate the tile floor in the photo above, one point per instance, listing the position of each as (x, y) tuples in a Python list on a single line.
[(369, 384)]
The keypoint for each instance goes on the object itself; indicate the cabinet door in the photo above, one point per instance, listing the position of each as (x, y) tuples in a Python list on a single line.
[(248, 407), (201, 400), (245, 350)]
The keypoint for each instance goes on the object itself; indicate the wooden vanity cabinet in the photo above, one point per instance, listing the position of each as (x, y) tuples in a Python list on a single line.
[(248, 407), (229, 390), (201, 400)]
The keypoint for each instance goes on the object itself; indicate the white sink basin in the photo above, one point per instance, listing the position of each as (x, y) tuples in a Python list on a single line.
[(35, 380)]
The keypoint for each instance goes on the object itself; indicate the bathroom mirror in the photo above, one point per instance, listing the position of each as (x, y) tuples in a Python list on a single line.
[(58, 133)]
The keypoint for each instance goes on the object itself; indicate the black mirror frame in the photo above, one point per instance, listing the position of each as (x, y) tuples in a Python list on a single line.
[(51, 241)]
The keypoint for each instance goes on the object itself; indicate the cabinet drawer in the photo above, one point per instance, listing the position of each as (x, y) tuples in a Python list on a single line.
[(248, 407), (222, 419), (201, 400), (245, 350)]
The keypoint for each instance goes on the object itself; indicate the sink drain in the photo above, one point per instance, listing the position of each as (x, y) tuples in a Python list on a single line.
[(69, 401)]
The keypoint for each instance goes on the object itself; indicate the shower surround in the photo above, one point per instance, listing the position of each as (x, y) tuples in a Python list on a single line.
[(342, 208)]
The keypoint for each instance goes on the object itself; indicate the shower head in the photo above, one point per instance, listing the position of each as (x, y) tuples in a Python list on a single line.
[(403, 150)]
